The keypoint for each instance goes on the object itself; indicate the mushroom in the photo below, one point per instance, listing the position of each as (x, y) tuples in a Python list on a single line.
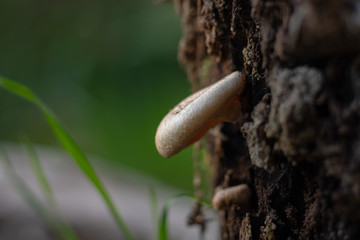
[(239, 195), (192, 117)]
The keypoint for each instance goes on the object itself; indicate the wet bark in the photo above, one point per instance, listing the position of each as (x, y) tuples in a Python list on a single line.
[(298, 144)]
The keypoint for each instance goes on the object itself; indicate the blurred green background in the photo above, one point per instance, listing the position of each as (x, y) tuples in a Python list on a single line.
[(109, 71)]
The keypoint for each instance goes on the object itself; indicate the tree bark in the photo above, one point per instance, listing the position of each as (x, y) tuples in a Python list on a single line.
[(298, 145)]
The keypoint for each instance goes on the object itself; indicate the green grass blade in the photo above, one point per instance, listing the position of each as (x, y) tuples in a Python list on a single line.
[(82, 161), (35, 164), (18, 89), (163, 233), (33, 202), (154, 208), (38, 172), (70, 146)]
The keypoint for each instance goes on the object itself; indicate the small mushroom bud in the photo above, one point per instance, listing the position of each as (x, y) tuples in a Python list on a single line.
[(239, 195), (192, 117)]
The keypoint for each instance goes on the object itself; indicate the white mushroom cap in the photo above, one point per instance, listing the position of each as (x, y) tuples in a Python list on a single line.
[(210, 105), (239, 195)]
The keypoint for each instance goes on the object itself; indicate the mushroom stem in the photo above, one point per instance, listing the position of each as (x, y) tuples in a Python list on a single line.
[(193, 116)]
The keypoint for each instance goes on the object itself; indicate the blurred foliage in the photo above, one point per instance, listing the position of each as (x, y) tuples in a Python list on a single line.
[(108, 69)]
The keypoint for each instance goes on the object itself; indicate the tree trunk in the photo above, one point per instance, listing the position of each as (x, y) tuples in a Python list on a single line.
[(298, 145)]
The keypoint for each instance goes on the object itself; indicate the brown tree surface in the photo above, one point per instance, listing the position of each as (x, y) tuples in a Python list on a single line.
[(298, 144)]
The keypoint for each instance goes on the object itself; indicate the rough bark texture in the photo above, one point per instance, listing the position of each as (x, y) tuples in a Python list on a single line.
[(298, 145)]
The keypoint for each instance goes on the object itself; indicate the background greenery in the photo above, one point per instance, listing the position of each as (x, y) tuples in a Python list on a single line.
[(107, 68)]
